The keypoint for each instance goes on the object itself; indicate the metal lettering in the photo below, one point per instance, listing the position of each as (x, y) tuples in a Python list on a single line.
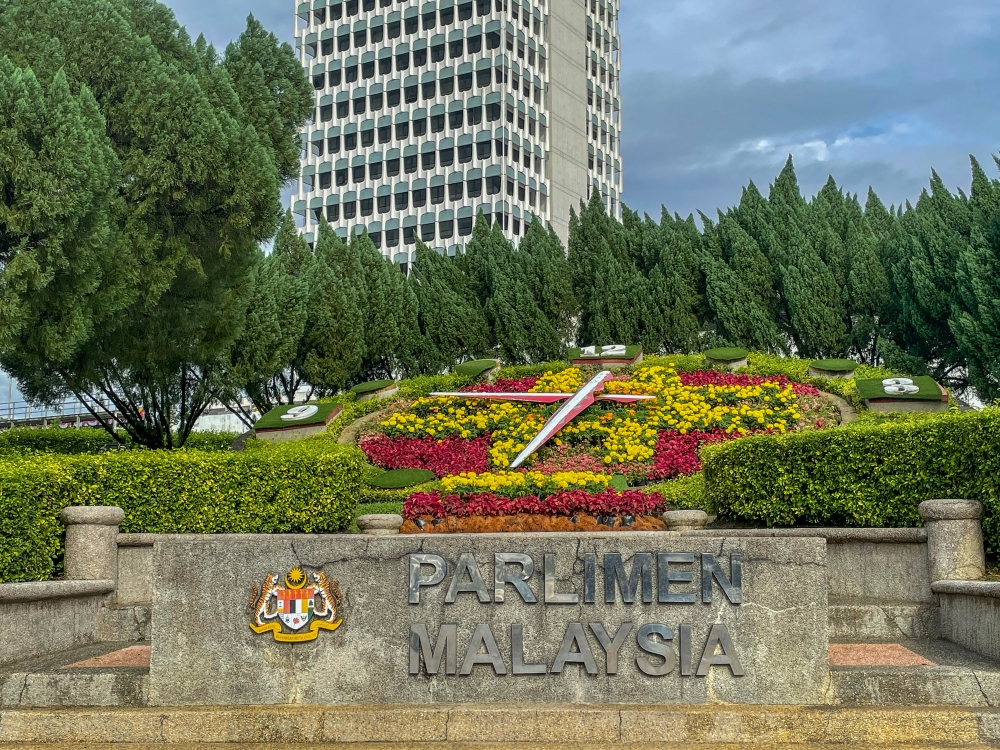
[(517, 654), (502, 576), (719, 636), (551, 595), (447, 646), (684, 643), (483, 638), (467, 564), (418, 579), (611, 645), (644, 640), (583, 655), (589, 578), (665, 575), (710, 569), (614, 571)]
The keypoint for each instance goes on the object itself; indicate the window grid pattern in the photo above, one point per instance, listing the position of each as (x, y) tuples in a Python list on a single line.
[(604, 112), (425, 114)]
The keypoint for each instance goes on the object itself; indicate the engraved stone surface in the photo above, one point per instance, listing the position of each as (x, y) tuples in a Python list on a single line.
[(510, 649)]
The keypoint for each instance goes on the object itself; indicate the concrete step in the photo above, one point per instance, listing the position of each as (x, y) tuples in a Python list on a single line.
[(950, 676), (455, 728), (99, 674)]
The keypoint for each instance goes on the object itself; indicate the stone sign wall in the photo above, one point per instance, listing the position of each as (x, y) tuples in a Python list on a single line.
[(586, 618)]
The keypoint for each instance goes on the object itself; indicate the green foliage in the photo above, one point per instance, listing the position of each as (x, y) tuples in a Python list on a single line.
[(272, 420), (683, 493), (398, 479), (270, 489), (68, 441), (834, 365), (378, 501), (860, 475), (145, 243)]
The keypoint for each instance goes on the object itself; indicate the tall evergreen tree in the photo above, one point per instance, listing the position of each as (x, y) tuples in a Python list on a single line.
[(551, 282), (385, 321)]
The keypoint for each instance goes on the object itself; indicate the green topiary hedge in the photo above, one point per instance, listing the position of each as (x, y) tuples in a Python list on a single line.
[(75, 440), (308, 488), (861, 475)]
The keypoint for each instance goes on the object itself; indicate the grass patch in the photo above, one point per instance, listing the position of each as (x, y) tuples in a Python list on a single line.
[(371, 386), (834, 365), (272, 420), (476, 367), (929, 390), (397, 479), (727, 354)]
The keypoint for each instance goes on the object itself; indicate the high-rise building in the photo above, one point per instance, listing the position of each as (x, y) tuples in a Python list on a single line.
[(429, 112)]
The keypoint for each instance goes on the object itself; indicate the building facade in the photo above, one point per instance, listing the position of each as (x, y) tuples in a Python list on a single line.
[(429, 112)]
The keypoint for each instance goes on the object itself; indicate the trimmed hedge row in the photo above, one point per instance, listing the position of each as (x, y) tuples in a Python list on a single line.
[(859, 475), (74, 440), (269, 489)]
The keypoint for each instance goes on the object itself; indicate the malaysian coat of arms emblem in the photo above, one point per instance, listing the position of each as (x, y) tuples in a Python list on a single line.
[(286, 610)]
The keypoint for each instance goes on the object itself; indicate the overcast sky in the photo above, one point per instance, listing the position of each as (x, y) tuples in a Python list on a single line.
[(718, 92)]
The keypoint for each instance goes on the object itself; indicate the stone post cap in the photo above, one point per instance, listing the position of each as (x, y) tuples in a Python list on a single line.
[(950, 510), (685, 519), (93, 515)]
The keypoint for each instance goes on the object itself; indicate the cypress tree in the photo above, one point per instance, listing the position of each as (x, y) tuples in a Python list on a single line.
[(551, 283), (381, 309), (334, 339)]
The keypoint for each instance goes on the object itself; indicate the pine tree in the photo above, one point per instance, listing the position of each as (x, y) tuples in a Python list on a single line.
[(551, 282), (381, 308)]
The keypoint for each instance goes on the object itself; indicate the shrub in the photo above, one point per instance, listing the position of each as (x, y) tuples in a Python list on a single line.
[(60, 440), (268, 489), (866, 474), (475, 368)]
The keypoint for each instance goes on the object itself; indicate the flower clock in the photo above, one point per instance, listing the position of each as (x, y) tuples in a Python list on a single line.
[(575, 443)]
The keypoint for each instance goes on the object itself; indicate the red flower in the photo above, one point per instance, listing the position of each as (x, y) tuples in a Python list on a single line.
[(677, 455), (605, 503), (450, 455), (716, 377), (502, 385)]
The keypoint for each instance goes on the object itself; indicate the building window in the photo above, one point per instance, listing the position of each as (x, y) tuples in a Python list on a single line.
[(403, 61), (455, 119), (325, 180), (341, 177), (343, 42), (510, 115), (465, 153), (392, 98), (455, 190), (465, 82), (419, 57), (437, 123), (411, 24), (384, 66), (334, 77), (492, 39), (437, 53), (333, 144), (351, 74), (427, 232), (326, 112), (392, 168), (510, 188), (483, 149), (369, 5), (446, 229), (319, 80), (465, 226), (475, 187), (333, 213), (383, 203), (492, 112), (368, 69), (368, 137), (385, 134), (358, 173), (427, 160), (493, 185), (455, 48), (465, 11), (474, 44), (376, 238), (437, 195), (343, 109), (394, 30), (391, 237), (532, 194), (520, 192), (517, 226), (447, 86), (350, 210), (482, 7), (402, 201), (447, 16), (410, 164), (409, 235), (350, 141), (402, 130), (447, 157), (475, 115), (410, 94), (420, 197), (428, 89), (376, 34), (430, 19), (367, 206), (359, 105), (483, 77), (375, 171), (420, 127), (319, 16), (361, 38)]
